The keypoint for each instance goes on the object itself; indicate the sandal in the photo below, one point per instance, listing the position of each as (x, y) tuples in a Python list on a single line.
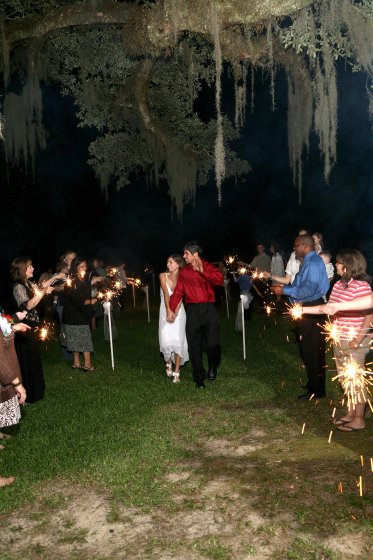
[(5, 436), (76, 367), (88, 368), (169, 369), (176, 378)]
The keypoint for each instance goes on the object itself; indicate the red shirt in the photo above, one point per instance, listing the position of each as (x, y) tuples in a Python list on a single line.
[(196, 287)]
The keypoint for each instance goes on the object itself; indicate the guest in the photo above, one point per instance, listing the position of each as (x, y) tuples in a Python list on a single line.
[(261, 262), (319, 241), (68, 257), (12, 391), (196, 283), (309, 288), (243, 279), (327, 257), (352, 328), (77, 313), (172, 339), (27, 297)]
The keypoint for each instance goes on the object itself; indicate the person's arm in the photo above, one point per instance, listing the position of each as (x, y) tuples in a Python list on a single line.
[(22, 299), (359, 337), (211, 273), (365, 302), (281, 279), (43, 284), (177, 294), (162, 281)]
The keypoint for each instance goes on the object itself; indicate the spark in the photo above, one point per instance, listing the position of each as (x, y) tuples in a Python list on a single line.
[(331, 332), (69, 281), (360, 486), (295, 311), (303, 427), (340, 488), (333, 413), (355, 382), (44, 331), (118, 285), (330, 436), (268, 310), (82, 273), (371, 464), (362, 460)]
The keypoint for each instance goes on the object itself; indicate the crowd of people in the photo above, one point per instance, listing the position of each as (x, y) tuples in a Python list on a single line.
[(188, 316)]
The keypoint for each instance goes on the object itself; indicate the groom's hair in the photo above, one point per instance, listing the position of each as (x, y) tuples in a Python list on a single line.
[(193, 247)]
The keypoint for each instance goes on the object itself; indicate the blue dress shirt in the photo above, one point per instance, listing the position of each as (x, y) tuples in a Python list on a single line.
[(311, 283)]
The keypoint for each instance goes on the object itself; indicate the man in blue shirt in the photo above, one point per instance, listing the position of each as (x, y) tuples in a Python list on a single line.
[(309, 288)]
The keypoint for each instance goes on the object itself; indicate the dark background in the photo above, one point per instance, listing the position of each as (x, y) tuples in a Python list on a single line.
[(61, 207)]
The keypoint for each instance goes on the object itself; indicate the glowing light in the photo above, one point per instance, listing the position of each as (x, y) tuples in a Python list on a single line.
[(268, 310), (295, 311), (355, 382), (44, 332), (303, 427), (69, 281), (340, 488), (330, 330), (330, 436)]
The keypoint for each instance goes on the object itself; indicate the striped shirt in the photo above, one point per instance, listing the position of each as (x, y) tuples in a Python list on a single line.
[(349, 322)]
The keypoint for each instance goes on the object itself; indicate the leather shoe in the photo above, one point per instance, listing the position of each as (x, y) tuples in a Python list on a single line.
[(200, 385), (212, 373)]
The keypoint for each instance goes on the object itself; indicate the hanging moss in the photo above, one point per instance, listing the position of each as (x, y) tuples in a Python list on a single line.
[(240, 88), (219, 141)]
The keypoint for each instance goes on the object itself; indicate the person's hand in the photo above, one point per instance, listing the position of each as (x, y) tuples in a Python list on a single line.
[(20, 327), (277, 290), (21, 315), (266, 274), (197, 264), (171, 316), (21, 394), (96, 280), (330, 308)]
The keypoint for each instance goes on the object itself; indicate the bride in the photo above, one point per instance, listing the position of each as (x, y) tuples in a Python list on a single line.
[(172, 340)]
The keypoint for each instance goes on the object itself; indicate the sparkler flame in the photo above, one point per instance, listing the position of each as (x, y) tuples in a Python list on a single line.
[(355, 382), (295, 311), (331, 331)]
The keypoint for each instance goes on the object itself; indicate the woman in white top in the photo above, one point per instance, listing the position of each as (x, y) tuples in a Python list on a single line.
[(172, 339)]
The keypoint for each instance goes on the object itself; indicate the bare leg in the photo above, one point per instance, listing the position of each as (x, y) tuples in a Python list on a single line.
[(87, 359), (357, 422), (76, 357), (177, 369)]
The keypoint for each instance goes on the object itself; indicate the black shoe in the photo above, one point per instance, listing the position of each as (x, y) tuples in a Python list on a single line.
[(200, 385), (212, 373)]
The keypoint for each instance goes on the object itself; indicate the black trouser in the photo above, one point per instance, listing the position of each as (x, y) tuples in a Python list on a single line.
[(312, 346), (202, 332)]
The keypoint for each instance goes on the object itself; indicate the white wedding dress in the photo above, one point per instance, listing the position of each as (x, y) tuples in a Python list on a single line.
[(172, 339)]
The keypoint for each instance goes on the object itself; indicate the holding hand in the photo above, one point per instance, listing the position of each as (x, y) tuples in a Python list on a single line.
[(171, 316), (277, 290), (197, 264)]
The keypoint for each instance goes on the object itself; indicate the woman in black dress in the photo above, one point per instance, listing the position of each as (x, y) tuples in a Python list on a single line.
[(27, 296)]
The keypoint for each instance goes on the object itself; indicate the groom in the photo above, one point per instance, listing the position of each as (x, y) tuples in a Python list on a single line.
[(195, 284)]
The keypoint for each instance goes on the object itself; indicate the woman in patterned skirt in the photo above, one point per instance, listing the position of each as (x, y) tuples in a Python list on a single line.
[(77, 314)]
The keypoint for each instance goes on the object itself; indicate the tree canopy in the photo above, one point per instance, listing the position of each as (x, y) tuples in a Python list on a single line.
[(136, 71)]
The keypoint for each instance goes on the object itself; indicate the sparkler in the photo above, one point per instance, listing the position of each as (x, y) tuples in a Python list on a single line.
[(45, 331), (69, 281), (355, 382), (331, 332), (295, 311)]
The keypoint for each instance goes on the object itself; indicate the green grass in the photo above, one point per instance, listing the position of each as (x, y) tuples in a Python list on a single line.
[(121, 432)]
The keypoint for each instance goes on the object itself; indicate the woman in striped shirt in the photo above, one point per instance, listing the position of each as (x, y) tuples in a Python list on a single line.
[(352, 330)]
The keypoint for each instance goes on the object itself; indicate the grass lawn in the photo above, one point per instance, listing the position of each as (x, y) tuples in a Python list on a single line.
[(125, 464)]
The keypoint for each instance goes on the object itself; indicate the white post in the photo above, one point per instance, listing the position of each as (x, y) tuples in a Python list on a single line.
[(242, 297), (107, 310), (146, 288), (153, 275), (226, 296)]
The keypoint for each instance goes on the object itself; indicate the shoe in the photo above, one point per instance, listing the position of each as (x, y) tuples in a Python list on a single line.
[(347, 428), (169, 369), (200, 385), (212, 373), (88, 368), (176, 378), (310, 395), (76, 367)]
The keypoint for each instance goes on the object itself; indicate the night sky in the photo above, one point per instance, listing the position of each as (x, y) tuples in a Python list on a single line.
[(62, 207)]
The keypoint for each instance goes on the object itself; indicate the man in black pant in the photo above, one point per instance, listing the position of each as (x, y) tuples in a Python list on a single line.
[(195, 283), (309, 288)]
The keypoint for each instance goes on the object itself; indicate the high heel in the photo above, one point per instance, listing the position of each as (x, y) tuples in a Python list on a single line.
[(176, 378)]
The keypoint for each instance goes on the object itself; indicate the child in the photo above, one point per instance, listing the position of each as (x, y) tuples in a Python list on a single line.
[(326, 257)]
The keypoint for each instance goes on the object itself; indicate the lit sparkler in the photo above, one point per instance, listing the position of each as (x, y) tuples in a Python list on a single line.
[(330, 330), (44, 332), (69, 281), (355, 382), (295, 311)]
